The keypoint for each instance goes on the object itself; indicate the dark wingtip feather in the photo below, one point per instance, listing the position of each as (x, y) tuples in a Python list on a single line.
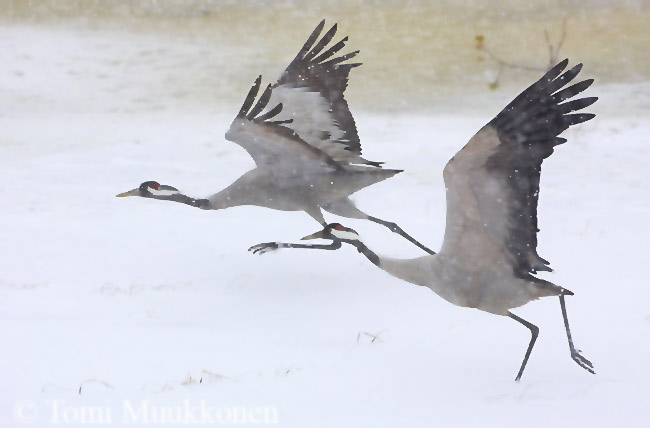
[(564, 79), (331, 51), (318, 29), (574, 119), (311, 39), (576, 105), (271, 113), (572, 90), (575, 69), (556, 70), (341, 58), (558, 141), (261, 103), (587, 101), (250, 97), (562, 64), (315, 50)]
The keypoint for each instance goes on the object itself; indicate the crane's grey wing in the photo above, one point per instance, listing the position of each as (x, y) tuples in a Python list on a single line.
[(270, 142), (311, 91), (493, 182)]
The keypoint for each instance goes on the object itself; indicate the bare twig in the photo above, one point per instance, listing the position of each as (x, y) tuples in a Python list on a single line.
[(553, 52), (216, 377), (375, 337), (101, 382)]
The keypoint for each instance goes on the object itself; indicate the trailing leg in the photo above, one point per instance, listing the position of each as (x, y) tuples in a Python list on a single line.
[(346, 208), (395, 228), (575, 353), (534, 330)]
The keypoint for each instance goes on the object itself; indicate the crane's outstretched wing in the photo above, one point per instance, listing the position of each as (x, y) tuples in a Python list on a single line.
[(493, 182), (311, 93), (270, 143)]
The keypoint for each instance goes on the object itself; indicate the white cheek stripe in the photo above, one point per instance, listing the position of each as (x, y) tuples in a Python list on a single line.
[(163, 192), (344, 234)]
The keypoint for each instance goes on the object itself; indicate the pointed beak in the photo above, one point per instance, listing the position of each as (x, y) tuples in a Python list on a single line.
[(317, 235), (134, 192)]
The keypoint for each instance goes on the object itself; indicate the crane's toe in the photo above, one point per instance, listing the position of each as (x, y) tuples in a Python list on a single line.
[(582, 361), (264, 247)]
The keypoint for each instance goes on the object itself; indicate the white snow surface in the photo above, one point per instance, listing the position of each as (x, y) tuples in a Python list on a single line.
[(105, 301)]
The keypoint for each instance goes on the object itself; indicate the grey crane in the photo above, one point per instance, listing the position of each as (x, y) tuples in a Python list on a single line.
[(489, 253), (304, 142)]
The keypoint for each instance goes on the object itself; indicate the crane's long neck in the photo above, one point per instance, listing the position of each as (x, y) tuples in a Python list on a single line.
[(419, 271), (229, 197), (370, 255), (232, 196), (249, 189), (184, 199)]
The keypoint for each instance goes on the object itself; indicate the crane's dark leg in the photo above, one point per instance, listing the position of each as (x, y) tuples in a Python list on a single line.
[(534, 330), (346, 208), (315, 213), (271, 246), (395, 228), (575, 353)]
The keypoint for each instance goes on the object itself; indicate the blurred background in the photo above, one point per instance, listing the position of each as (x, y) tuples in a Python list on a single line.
[(416, 53)]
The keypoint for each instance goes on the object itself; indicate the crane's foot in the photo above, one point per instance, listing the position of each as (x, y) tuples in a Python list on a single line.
[(264, 247), (582, 361)]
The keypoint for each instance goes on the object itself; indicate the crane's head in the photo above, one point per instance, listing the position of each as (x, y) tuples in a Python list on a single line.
[(335, 232), (151, 189)]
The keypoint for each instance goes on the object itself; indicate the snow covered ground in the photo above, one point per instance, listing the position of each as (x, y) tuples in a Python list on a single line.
[(112, 310)]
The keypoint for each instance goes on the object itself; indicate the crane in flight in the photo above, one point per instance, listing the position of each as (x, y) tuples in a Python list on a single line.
[(488, 258), (304, 142)]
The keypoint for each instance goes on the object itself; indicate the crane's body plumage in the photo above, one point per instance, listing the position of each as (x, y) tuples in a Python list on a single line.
[(488, 259), (303, 139), (489, 253), (312, 189), (486, 284), (306, 146)]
